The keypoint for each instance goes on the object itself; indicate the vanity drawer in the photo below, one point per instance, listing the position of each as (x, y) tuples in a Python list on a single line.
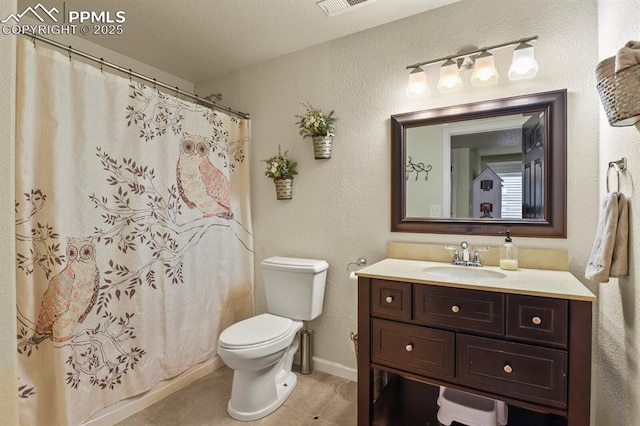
[(391, 299), (411, 348), (526, 372), (538, 319), (460, 308)]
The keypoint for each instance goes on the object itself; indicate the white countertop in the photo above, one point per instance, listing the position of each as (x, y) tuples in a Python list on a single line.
[(533, 282)]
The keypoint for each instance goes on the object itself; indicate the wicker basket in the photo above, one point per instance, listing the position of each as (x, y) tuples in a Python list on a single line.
[(322, 147), (620, 96), (284, 188)]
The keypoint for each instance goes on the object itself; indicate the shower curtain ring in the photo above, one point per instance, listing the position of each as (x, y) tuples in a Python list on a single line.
[(129, 75), (154, 84), (69, 52), (33, 40), (101, 64)]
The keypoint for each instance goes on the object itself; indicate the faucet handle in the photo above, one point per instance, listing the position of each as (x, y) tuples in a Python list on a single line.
[(476, 254), (464, 245), (456, 257)]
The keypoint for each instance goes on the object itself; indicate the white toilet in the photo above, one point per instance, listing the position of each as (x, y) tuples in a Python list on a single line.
[(260, 349)]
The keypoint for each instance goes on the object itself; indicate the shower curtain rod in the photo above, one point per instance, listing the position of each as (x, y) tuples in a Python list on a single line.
[(130, 73)]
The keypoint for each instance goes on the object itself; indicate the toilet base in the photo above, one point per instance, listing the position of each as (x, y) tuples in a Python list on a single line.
[(283, 390)]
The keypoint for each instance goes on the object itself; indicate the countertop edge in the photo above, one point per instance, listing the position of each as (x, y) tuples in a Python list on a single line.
[(584, 295)]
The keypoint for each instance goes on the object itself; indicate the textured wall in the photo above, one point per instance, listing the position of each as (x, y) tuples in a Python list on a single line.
[(8, 382), (340, 208), (617, 343)]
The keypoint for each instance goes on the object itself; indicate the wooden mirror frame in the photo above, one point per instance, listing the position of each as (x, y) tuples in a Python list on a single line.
[(554, 223)]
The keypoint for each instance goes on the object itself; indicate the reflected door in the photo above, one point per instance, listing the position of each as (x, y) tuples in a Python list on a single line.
[(533, 168)]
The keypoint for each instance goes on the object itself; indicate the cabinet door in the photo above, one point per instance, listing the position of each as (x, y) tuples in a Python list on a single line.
[(459, 308), (412, 348), (526, 372)]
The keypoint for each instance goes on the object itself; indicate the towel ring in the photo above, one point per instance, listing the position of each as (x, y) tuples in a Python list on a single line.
[(618, 166)]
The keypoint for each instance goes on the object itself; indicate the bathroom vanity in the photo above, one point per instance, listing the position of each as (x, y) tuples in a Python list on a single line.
[(522, 336)]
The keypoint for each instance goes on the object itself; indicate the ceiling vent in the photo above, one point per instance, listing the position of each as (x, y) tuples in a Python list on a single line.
[(336, 7)]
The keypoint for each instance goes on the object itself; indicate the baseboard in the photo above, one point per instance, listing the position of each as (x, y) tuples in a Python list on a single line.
[(123, 409), (335, 369)]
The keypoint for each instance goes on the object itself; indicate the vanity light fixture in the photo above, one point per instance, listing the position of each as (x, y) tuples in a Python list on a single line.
[(450, 80), (524, 63), (523, 66), (484, 70), (417, 83)]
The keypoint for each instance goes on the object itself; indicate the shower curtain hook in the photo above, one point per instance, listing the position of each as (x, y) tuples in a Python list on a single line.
[(129, 75), (69, 52), (101, 64), (177, 90), (33, 40), (154, 84)]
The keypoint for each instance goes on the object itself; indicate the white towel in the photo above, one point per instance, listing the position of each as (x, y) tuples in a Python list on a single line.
[(609, 253), (620, 257), (628, 56)]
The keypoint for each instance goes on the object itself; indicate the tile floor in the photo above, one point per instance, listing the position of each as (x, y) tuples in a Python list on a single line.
[(319, 399)]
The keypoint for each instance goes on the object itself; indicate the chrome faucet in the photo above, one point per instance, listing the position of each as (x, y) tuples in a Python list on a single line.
[(466, 255), (465, 252)]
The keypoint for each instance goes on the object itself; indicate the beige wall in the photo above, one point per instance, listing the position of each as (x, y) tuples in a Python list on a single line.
[(340, 208), (617, 344)]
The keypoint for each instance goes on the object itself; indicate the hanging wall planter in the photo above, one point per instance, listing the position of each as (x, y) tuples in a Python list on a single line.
[(322, 146), (319, 127), (284, 188), (281, 170)]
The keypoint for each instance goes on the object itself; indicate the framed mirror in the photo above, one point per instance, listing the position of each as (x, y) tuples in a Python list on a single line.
[(482, 168)]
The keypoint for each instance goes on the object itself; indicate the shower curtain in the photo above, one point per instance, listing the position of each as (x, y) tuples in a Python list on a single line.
[(133, 235)]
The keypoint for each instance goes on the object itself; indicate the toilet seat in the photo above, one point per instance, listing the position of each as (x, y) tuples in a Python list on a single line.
[(255, 331)]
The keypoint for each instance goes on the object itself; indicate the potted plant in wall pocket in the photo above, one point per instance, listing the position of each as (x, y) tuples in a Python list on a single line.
[(319, 127), (281, 170)]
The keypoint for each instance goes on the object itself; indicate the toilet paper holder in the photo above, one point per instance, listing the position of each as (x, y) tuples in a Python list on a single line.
[(360, 262)]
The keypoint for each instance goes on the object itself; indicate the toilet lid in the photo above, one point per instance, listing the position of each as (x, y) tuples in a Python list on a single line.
[(255, 330)]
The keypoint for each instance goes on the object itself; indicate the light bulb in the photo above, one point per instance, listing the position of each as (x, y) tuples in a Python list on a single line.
[(524, 64), (484, 71), (417, 83), (450, 80)]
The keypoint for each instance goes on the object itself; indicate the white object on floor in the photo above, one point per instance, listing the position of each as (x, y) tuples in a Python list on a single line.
[(470, 409), (260, 349)]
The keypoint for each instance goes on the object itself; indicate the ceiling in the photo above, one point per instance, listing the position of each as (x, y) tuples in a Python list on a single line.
[(198, 40)]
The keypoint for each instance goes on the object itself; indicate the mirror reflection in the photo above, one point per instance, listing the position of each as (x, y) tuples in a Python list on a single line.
[(490, 168), (482, 168)]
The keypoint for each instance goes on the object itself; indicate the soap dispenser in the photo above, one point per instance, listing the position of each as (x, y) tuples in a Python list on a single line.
[(508, 254)]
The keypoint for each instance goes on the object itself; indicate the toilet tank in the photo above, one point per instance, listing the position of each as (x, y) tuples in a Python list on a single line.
[(294, 286)]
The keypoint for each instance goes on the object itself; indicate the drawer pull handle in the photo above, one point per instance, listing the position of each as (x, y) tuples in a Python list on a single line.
[(508, 369), (389, 299), (409, 347), (455, 309), (536, 320)]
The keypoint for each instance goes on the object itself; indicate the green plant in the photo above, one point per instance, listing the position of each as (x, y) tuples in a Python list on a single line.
[(279, 166), (314, 123)]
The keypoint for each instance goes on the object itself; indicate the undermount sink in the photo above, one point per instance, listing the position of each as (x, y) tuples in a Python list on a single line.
[(462, 273)]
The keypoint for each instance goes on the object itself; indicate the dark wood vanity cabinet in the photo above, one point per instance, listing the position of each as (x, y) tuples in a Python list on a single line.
[(532, 352)]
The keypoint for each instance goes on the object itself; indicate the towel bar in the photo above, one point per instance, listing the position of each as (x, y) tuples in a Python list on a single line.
[(619, 165)]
